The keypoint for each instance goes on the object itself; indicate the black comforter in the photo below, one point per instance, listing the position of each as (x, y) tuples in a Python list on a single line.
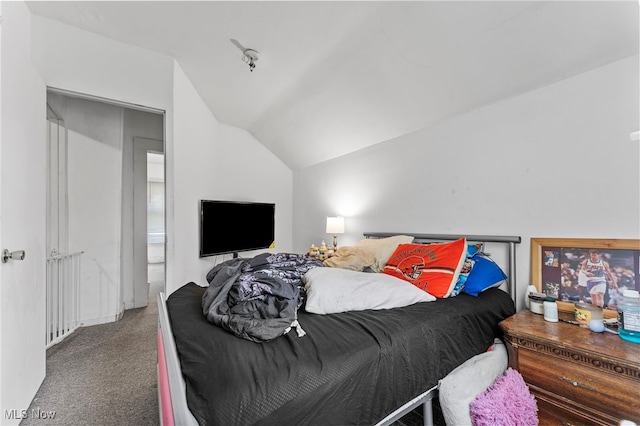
[(350, 368)]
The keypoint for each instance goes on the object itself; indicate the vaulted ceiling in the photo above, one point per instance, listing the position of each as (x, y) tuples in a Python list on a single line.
[(335, 77)]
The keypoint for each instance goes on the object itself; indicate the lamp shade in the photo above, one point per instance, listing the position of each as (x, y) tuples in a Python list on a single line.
[(335, 225)]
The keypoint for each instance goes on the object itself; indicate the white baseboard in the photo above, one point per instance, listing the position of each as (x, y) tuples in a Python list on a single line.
[(100, 320)]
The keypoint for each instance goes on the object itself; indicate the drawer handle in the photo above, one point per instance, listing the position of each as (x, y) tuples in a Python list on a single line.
[(577, 384)]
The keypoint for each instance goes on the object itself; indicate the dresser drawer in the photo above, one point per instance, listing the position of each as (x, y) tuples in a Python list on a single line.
[(584, 385), (552, 412)]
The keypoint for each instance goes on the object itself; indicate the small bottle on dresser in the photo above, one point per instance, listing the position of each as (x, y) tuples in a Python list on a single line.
[(629, 316), (550, 310)]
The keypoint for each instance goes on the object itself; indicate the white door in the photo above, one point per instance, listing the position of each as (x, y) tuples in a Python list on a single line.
[(22, 216)]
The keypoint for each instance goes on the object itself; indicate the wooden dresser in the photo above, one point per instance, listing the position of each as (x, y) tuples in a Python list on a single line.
[(577, 376)]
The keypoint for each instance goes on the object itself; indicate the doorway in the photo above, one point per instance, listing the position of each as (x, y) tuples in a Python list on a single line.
[(100, 199), (148, 215), (155, 223)]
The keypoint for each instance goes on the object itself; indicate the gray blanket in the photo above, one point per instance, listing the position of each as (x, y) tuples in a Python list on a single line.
[(257, 299)]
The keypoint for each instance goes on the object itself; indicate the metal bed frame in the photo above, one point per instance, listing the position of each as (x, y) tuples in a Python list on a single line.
[(172, 401)]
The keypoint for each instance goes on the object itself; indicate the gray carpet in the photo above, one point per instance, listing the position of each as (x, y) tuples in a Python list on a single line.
[(103, 374)]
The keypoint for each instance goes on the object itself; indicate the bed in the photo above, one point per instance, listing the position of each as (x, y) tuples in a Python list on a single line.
[(354, 367)]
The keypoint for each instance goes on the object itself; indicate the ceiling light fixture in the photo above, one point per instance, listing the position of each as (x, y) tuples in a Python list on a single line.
[(250, 56)]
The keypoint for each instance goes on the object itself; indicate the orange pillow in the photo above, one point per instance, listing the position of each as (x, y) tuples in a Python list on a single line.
[(432, 267)]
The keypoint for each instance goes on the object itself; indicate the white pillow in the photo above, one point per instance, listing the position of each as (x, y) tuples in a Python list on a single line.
[(332, 290), (460, 387)]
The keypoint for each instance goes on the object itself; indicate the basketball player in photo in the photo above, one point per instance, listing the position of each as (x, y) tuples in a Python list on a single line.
[(595, 271)]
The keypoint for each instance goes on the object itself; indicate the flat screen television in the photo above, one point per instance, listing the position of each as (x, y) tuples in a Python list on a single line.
[(235, 226)]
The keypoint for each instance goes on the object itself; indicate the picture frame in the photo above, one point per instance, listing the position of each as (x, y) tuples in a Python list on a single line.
[(557, 270)]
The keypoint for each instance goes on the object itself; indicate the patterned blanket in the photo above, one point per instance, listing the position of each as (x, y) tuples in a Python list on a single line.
[(257, 299)]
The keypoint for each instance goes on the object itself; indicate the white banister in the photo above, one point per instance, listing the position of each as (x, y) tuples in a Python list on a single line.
[(63, 296)]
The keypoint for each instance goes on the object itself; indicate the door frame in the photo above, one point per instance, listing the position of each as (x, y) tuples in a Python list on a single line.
[(140, 254)]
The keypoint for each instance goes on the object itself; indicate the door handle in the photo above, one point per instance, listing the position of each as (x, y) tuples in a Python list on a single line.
[(15, 255)]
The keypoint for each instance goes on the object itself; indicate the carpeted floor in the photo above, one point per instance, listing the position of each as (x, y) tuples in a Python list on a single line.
[(104, 374)]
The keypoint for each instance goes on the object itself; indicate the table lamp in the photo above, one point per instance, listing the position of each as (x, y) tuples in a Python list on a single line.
[(335, 225)]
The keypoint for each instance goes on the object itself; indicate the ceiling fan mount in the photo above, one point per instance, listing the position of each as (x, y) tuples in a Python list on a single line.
[(249, 56)]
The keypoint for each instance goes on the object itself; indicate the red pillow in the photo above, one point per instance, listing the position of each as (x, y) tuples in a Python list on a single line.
[(432, 267)]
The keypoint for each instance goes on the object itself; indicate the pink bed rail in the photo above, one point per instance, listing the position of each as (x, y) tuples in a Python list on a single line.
[(166, 410)]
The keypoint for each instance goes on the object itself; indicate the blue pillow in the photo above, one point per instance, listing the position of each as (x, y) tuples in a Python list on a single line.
[(484, 274), (475, 248), (467, 266)]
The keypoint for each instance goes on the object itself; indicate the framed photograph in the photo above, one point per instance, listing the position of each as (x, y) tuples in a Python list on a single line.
[(594, 271)]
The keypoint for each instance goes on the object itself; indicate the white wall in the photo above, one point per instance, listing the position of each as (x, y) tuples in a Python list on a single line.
[(84, 62), (204, 159), (80, 61), (555, 162), (23, 206), (218, 162)]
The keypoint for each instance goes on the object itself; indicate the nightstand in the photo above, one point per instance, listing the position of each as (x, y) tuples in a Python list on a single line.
[(577, 376)]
